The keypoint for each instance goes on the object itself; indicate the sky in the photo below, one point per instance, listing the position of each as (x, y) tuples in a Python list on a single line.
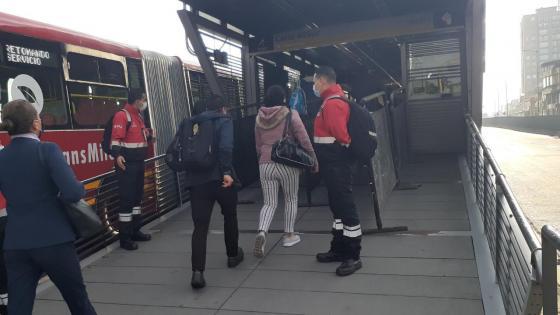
[(150, 25), (503, 49), (157, 27)]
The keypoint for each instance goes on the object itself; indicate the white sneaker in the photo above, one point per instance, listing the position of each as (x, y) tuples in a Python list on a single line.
[(260, 241), (289, 241)]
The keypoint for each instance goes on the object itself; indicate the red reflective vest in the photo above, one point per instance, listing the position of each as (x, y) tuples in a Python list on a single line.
[(331, 123), (131, 143)]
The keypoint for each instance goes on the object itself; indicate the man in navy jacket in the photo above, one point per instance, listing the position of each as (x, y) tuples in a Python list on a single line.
[(211, 185)]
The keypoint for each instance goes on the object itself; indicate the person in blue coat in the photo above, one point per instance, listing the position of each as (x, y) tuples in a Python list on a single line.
[(39, 236), (215, 184)]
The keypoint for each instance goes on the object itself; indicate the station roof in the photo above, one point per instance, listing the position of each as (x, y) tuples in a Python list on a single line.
[(266, 18)]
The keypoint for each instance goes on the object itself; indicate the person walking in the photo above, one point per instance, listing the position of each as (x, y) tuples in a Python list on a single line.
[(216, 183), (269, 129)]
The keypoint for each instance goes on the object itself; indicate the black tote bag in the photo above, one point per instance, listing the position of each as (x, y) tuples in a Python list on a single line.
[(289, 152), (84, 219)]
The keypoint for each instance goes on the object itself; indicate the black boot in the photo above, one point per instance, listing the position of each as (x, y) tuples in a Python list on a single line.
[(128, 244), (138, 235), (197, 280), (336, 253), (352, 263), (348, 267), (329, 257), (236, 260), (125, 235)]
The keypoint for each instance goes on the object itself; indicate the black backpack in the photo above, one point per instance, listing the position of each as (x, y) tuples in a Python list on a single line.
[(106, 141), (361, 128), (192, 147)]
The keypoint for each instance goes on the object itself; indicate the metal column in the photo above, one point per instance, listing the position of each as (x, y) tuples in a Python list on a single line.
[(200, 49)]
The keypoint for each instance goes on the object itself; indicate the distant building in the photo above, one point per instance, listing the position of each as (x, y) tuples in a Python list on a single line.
[(550, 98), (515, 108), (540, 43)]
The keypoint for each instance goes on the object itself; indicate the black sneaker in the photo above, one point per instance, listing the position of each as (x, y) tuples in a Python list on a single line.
[(197, 280), (128, 245), (234, 261), (141, 237), (328, 257), (348, 267)]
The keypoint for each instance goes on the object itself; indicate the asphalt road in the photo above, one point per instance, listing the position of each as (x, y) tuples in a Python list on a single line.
[(531, 163)]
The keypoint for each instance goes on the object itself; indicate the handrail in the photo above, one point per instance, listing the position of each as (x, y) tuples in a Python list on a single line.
[(524, 225), (514, 246), (551, 245), (100, 176)]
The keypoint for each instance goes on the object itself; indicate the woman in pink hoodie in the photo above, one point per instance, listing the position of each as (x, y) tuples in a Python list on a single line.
[(269, 128)]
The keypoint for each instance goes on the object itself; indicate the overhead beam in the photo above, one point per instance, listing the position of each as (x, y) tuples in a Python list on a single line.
[(413, 24), (374, 62), (200, 49), (219, 28)]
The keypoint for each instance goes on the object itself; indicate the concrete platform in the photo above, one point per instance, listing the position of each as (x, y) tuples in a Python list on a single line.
[(430, 269)]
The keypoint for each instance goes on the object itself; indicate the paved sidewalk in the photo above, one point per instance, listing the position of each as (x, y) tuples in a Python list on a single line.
[(427, 270)]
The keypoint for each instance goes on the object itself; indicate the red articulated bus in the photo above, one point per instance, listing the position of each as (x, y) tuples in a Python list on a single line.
[(77, 82)]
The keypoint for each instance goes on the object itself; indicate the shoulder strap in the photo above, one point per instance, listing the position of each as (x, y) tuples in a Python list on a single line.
[(337, 97), (128, 119), (287, 125), (334, 97)]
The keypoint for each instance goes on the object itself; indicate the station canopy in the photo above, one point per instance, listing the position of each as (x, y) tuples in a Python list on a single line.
[(357, 37)]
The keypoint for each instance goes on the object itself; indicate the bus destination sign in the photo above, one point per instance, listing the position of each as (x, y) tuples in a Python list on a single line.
[(29, 56)]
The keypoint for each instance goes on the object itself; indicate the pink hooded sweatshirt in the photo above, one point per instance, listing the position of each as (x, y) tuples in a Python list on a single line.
[(270, 127)]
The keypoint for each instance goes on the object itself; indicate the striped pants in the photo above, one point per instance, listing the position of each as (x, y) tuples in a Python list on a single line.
[(272, 176)]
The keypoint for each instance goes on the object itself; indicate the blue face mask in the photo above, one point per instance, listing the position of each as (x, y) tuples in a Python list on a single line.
[(316, 92)]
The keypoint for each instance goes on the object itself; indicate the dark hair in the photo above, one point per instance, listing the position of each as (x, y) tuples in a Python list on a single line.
[(275, 95), (198, 107), (215, 102), (327, 73), (18, 117), (134, 95)]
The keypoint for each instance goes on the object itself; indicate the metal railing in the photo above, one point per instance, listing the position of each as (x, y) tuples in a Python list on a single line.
[(164, 190), (515, 248), (550, 246)]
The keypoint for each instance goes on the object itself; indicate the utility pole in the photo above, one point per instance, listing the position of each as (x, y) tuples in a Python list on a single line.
[(507, 101), (538, 88), (499, 104)]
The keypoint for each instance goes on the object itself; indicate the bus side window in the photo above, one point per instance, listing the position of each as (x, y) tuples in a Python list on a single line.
[(135, 74), (93, 105), (93, 69)]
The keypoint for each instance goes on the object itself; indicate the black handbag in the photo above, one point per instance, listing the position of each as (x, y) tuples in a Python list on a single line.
[(289, 152), (84, 219)]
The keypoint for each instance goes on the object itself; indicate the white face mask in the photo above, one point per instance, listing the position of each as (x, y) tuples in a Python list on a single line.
[(144, 106), (316, 92)]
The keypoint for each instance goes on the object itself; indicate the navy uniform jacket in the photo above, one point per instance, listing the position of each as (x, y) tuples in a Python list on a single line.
[(35, 215), (223, 132)]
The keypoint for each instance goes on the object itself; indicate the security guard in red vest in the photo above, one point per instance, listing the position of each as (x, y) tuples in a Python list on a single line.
[(129, 147), (332, 142)]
